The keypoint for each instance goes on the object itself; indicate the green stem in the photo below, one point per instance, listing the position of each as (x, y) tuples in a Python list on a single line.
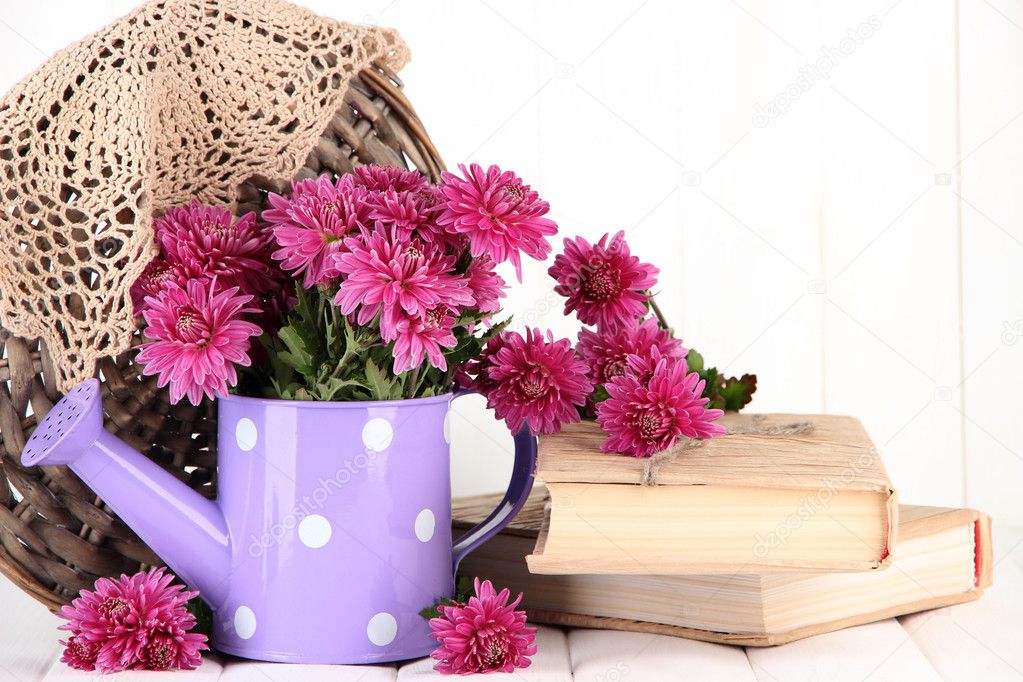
[(449, 377), (335, 316), (352, 354), (411, 391), (662, 323)]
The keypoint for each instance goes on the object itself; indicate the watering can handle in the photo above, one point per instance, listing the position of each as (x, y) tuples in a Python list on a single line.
[(518, 490)]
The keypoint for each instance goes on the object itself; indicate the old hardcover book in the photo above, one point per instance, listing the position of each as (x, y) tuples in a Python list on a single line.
[(943, 558), (752, 501)]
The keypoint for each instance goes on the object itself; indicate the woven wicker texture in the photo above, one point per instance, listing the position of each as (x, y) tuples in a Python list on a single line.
[(56, 536)]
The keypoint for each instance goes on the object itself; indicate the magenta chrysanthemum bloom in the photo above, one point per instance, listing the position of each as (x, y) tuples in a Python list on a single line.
[(382, 271), (424, 334), (536, 380), (378, 178), (79, 653), (643, 416), (158, 275), (487, 286), (499, 214), (198, 336), (484, 635), (430, 202), (138, 622), (607, 352), (604, 283), (403, 212), (206, 241), (310, 225)]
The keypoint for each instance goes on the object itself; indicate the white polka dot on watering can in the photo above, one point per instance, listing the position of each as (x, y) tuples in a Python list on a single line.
[(245, 434), (425, 523), (244, 622), (377, 434), (314, 531), (382, 629)]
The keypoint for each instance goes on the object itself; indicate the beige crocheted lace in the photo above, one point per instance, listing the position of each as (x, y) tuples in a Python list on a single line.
[(180, 99)]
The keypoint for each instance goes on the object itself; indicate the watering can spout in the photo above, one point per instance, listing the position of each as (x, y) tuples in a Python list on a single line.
[(184, 528)]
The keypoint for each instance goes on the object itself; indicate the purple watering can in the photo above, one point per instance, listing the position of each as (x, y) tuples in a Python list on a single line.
[(331, 529)]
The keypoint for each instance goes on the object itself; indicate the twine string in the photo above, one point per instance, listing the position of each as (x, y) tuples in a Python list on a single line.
[(752, 427)]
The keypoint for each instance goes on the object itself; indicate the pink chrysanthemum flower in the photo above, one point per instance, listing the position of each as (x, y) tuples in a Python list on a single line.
[(138, 622), (484, 635), (607, 352), (79, 653), (403, 212), (430, 202), (536, 380), (379, 178), (158, 275), (424, 334), (382, 271), (499, 214), (310, 225), (487, 286), (206, 241), (646, 415), (198, 336), (603, 282)]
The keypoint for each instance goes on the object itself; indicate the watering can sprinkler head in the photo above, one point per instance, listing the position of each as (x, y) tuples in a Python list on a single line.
[(69, 429)]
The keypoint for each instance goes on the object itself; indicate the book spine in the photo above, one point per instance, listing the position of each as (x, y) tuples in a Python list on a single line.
[(983, 555), (892, 531)]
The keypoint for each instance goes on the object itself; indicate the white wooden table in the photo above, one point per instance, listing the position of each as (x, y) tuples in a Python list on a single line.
[(981, 640)]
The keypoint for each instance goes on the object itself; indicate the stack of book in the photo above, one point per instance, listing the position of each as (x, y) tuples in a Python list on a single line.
[(754, 539)]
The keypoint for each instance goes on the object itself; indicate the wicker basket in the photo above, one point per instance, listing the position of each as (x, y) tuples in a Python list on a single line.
[(56, 536)]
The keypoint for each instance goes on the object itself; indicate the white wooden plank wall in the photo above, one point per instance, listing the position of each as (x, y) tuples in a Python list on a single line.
[(861, 251)]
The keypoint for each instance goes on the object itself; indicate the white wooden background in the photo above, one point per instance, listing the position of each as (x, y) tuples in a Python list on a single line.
[(862, 253)]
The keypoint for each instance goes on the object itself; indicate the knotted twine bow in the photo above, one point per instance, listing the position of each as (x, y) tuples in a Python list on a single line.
[(754, 427)]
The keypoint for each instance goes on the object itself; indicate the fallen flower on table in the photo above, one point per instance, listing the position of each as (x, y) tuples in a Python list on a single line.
[(482, 633), (137, 622)]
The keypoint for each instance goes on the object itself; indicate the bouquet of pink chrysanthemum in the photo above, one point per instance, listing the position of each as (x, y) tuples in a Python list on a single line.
[(379, 285), (370, 286)]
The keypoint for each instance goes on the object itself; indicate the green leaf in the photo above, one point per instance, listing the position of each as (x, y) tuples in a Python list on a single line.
[(730, 394), (381, 387), (298, 356), (333, 387), (495, 330), (737, 393), (434, 612), (304, 334), (463, 591), (203, 616)]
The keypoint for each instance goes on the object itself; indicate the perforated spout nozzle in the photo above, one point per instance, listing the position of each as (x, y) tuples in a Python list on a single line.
[(69, 429)]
